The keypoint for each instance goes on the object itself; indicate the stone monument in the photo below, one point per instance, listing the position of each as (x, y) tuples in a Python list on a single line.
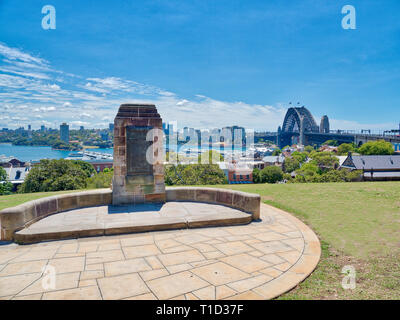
[(138, 155)]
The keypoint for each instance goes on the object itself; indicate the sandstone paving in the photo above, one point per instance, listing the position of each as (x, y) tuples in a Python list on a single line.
[(219, 273), (181, 257), (23, 268), (260, 260), (124, 286), (126, 266), (85, 293), (184, 282), (245, 262)]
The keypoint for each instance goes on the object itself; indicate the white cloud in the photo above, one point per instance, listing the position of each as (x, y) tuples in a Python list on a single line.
[(86, 115), (44, 109), (16, 54)]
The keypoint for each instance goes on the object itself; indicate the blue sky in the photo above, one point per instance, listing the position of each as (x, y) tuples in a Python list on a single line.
[(204, 63)]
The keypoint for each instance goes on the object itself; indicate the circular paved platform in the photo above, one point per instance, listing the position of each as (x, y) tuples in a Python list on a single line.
[(110, 220), (260, 260)]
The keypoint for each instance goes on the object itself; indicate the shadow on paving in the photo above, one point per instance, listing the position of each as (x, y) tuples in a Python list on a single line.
[(142, 207)]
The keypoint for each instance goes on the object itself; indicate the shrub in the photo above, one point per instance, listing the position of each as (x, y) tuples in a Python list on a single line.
[(194, 174), (257, 175), (3, 174), (101, 179), (271, 174), (5, 188)]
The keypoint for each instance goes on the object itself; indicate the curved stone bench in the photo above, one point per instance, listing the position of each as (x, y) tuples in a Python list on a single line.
[(19, 217)]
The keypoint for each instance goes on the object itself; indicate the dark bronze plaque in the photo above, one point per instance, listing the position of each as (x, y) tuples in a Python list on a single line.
[(136, 148)]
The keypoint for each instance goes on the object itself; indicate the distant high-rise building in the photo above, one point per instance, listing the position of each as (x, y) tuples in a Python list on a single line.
[(20, 130), (111, 126), (29, 131), (81, 128), (104, 135), (64, 132), (171, 128), (324, 126), (185, 132), (42, 128)]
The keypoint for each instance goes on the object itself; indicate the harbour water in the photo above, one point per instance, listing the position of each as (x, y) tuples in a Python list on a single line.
[(34, 153)]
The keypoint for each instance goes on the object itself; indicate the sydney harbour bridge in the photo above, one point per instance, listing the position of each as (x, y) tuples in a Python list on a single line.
[(300, 127)]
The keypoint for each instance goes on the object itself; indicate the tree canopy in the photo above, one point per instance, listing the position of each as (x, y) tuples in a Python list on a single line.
[(55, 175), (332, 143), (380, 147), (345, 148), (3, 174), (291, 164), (194, 174), (271, 174), (276, 152)]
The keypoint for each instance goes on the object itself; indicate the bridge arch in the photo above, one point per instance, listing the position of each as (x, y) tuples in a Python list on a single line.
[(292, 120)]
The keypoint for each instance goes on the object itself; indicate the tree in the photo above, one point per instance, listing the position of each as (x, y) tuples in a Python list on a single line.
[(101, 179), (194, 174), (380, 147), (324, 160), (291, 164), (257, 175), (299, 156), (5, 188), (308, 169), (332, 143), (276, 152), (87, 167), (271, 174), (345, 148), (3, 174), (54, 175), (308, 149)]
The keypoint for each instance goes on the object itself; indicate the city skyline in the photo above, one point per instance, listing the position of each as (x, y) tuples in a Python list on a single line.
[(349, 75)]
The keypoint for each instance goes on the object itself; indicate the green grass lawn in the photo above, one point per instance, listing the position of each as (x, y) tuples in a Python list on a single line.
[(13, 200), (358, 224)]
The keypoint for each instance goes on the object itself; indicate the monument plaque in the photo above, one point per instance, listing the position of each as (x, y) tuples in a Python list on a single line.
[(138, 171), (136, 143)]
